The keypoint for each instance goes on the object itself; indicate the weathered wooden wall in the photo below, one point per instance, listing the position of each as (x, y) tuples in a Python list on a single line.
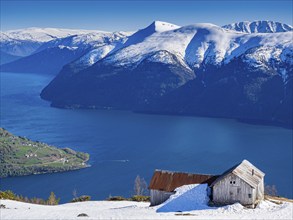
[(260, 191), (158, 197), (226, 193)]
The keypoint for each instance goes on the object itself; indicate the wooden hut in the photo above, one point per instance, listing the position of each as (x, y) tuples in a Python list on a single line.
[(163, 183), (243, 183)]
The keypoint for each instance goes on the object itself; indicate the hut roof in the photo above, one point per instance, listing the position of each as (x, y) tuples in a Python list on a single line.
[(245, 171), (168, 181)]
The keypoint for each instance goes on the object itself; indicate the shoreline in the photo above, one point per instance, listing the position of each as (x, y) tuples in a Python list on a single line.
[(251, 121)]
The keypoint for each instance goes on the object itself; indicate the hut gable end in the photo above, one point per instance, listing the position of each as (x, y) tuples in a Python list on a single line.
[(245, 171), (243, 183)]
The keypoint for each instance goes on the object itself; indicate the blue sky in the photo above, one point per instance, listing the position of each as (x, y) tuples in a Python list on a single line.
[(132, 15)]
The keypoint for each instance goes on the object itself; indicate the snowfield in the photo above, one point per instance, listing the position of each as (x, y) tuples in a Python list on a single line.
[(139, 210)]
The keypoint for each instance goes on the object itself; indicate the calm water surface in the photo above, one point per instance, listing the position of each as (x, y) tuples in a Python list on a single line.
[(123, 144)]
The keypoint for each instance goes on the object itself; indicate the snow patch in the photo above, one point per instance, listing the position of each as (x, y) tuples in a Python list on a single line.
[(187, 198), (66, 47)]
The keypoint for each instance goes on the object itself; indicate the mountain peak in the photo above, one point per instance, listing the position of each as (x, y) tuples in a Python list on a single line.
[(142, 34), (161, 26), (259, 27)]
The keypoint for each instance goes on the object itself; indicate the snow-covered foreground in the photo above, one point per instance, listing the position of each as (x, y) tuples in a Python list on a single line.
[(138, 210)]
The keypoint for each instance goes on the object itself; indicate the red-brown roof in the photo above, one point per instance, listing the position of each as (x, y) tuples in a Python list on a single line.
[(168, 181)]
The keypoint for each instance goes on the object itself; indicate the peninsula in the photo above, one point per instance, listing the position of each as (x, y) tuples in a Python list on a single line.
[(20, 156)]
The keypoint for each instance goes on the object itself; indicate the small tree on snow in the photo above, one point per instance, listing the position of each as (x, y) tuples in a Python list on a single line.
[(140, 186), (52, 200)]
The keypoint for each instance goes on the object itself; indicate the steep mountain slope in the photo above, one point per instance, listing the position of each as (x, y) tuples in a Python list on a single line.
[(259, 27), (235, 90), (118, 87), (197, 69)]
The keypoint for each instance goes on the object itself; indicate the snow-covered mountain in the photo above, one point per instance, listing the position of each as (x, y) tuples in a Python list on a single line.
[(259, 27), (88, 40), (97, 46), (51, 56), (43, 34), (23, 42), (199, 45), (199, 69)]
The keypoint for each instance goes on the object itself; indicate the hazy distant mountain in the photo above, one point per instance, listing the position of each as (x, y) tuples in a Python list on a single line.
[(259, 27), (48, 61), (6, 58)]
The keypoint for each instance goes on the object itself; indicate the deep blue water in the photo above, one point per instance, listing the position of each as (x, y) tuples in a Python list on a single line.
[(147, 142)]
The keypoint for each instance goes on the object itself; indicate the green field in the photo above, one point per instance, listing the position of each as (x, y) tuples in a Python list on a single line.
[(21, 156)]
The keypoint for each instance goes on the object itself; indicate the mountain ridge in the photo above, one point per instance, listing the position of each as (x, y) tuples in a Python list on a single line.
[(259, 27)]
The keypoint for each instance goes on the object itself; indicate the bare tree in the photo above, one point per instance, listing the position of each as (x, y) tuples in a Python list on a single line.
[(140, 186), (74, 193), (271, 190)]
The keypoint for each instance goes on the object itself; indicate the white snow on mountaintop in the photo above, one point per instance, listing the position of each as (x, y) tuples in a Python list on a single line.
[(156, 26), (101, 45), (160, 26), (43, 34), (84, 41), (24, 42), (94, 55), (193, 45), (259, 27), (139, 210), (196, 44)]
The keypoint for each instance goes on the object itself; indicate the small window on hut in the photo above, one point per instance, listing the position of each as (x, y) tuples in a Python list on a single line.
[(252, 172), (249, 195)]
